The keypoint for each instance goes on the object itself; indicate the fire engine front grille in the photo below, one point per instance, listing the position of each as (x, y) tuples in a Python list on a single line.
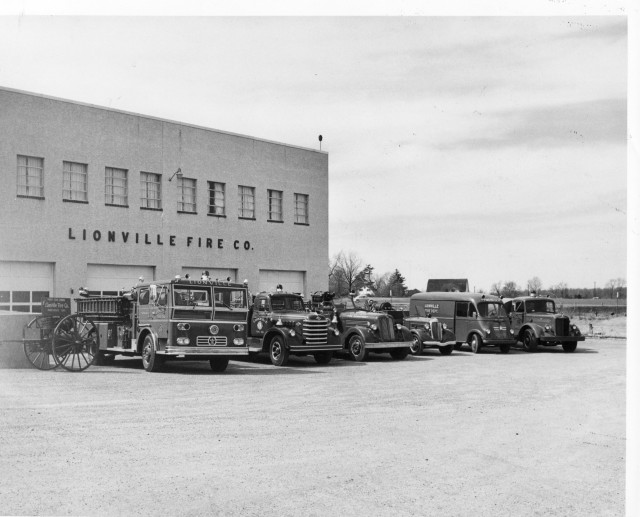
[(436, 330), (386, 329), (562, 326), (315, 331), (211, 341)]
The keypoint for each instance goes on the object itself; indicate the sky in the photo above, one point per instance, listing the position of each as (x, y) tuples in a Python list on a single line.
[(492, 148)]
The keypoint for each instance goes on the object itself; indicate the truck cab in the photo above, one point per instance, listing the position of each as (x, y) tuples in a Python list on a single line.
[(536, 322), (281, 325)]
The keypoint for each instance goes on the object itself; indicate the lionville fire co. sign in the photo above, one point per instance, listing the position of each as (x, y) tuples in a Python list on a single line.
[(155, 239)]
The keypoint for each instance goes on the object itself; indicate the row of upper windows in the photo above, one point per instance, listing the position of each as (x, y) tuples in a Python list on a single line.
[(75, 188)]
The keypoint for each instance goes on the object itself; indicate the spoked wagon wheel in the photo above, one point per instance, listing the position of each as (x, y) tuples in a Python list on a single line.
[(37, 346), (75, 343)]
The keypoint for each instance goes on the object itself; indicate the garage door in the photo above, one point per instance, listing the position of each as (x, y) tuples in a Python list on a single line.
[(24, 284), (108, 279), (291, 281), (219, 273)]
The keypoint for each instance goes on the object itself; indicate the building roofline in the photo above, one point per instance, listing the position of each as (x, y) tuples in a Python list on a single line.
[(159, 119)]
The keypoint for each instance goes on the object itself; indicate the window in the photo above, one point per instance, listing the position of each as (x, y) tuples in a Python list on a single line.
[(74, 181), (187, 195), (150, 191), (22, 301), (115, 187), (216, 198), (30, 176), (247, 202), (275, 205), (301, 209), (462, 309)]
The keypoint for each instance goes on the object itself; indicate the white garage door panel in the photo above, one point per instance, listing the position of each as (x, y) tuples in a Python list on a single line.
[(291, 281), (24, 284), (106, 277), (219, 273)]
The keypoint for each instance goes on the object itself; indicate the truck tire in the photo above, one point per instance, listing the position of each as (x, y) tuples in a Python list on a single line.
[(416, 347), (399, 354), (357, 350), (323, 357), (446, 350), (529, 341), (278, 354), (570, 346), (219, 364), (151, 361), (475, 343)]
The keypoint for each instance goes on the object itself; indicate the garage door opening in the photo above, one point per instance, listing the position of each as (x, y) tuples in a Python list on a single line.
[(291, 281)]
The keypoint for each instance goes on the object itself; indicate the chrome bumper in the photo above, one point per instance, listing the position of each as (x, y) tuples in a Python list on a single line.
[(204, 350)]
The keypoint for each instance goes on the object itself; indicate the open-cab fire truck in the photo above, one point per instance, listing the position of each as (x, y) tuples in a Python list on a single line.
[(192, 319)]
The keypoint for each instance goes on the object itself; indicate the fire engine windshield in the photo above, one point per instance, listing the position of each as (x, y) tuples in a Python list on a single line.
[(491, 310), (542, 305), (192, 296), (230, 298), (287, 303)]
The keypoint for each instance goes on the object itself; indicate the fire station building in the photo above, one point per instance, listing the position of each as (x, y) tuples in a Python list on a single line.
[(97, 197)]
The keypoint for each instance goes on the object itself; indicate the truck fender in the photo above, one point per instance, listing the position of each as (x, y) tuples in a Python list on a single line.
[(266, 340), (536, 329), (468, 341), (346, 336), (448, 336), (406, 333), (141, 337)]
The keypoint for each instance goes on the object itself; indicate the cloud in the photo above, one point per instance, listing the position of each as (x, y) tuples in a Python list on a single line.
[(576, 124)]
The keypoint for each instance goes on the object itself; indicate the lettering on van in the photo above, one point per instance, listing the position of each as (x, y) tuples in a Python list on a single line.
[(432, 308)]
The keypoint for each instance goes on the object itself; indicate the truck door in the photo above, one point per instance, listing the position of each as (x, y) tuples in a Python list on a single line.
[(259, 316), (463, 321), (517, 315)]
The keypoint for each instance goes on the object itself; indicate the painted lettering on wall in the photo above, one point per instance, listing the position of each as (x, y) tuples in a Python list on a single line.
[(189, 241)]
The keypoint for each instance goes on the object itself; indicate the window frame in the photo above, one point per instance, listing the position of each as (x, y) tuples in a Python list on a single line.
[(275, 213), (297, 216), (110, 198), (249, 194), (26, 176), (215, 209), (185, 202), (145, 200), (69, 193)]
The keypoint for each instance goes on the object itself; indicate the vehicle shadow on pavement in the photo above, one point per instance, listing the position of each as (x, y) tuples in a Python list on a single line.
[(558, 350)]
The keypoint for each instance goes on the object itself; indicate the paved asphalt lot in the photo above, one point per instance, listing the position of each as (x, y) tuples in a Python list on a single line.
[(491, 434)]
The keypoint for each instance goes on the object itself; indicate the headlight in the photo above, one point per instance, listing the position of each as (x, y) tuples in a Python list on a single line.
[(488, 331), (444, 326), (427, 326), (373, 326), (292, 332), (336, 332), (183, 341), (511, 331), (398, 326), (574, 327), (238, 328), (238, 341), (547, 328), (183, 326)]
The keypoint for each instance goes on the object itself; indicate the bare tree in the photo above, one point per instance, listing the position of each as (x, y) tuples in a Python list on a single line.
[(350, 264), (510, 289), (381, 283), (496, 288), (337, 282), (534, 284)]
